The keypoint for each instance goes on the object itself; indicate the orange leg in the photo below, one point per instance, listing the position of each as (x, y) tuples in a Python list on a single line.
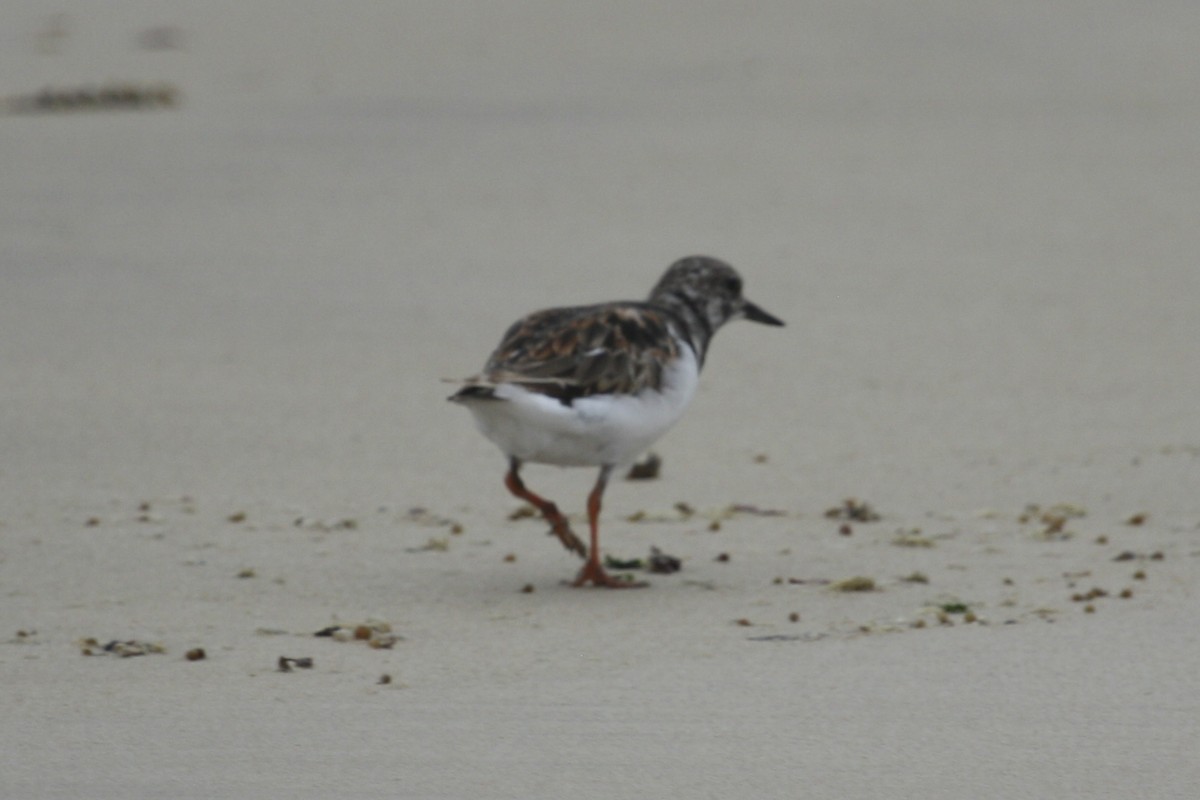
[(558, 523), (592, 571)]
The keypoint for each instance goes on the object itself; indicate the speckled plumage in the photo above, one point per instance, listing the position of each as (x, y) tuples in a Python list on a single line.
[(595, 385)]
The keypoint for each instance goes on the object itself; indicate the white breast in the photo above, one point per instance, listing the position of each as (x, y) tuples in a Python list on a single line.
[(592, 431)]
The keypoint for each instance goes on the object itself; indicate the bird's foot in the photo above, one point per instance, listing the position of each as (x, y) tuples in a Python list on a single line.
[(594, 574)]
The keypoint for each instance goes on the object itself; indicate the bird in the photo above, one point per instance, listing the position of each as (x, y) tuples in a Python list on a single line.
[(596, 385)]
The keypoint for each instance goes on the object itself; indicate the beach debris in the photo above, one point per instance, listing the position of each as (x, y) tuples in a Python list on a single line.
[(955, 607), (1137, 519), (743, 622), (112, 96), (425, 517), (915, 577), (270, 632), (760, 458), (287, 663), (858, 583), (432, 545), (1093, 594), (912, 538), (308, 523), (124, 649), (647, 469), (528, 589), (750, 508), (1053, 519), (1129, 555), (376, 633), (663, 564), (522, 512), (195, 654), (794, 616), (612, 562), (236, 517), (248, 572), (722, 558), (854, 510), (384, 679)]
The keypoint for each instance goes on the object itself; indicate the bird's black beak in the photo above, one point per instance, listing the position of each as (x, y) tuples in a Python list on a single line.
[(756, 314)]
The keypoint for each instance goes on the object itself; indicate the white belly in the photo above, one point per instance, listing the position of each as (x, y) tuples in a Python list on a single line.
[(592, 431)]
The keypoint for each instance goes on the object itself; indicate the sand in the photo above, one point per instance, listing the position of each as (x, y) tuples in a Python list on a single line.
[(224, 321)]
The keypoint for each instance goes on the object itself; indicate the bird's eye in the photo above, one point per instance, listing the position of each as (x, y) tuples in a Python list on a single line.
[(733, 285)]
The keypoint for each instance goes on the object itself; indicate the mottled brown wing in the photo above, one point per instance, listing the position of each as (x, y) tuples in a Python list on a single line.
[(576, 352)]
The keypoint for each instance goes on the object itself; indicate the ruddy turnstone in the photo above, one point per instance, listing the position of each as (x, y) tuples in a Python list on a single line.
[(594, 386)]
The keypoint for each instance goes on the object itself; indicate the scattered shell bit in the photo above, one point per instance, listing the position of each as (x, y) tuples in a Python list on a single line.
[(852, 509), (286, 663), (856, 584), (663, 564), (383, 641), (749, 508), (125, 649), (522, 512), (376, 633), (645, 470)]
